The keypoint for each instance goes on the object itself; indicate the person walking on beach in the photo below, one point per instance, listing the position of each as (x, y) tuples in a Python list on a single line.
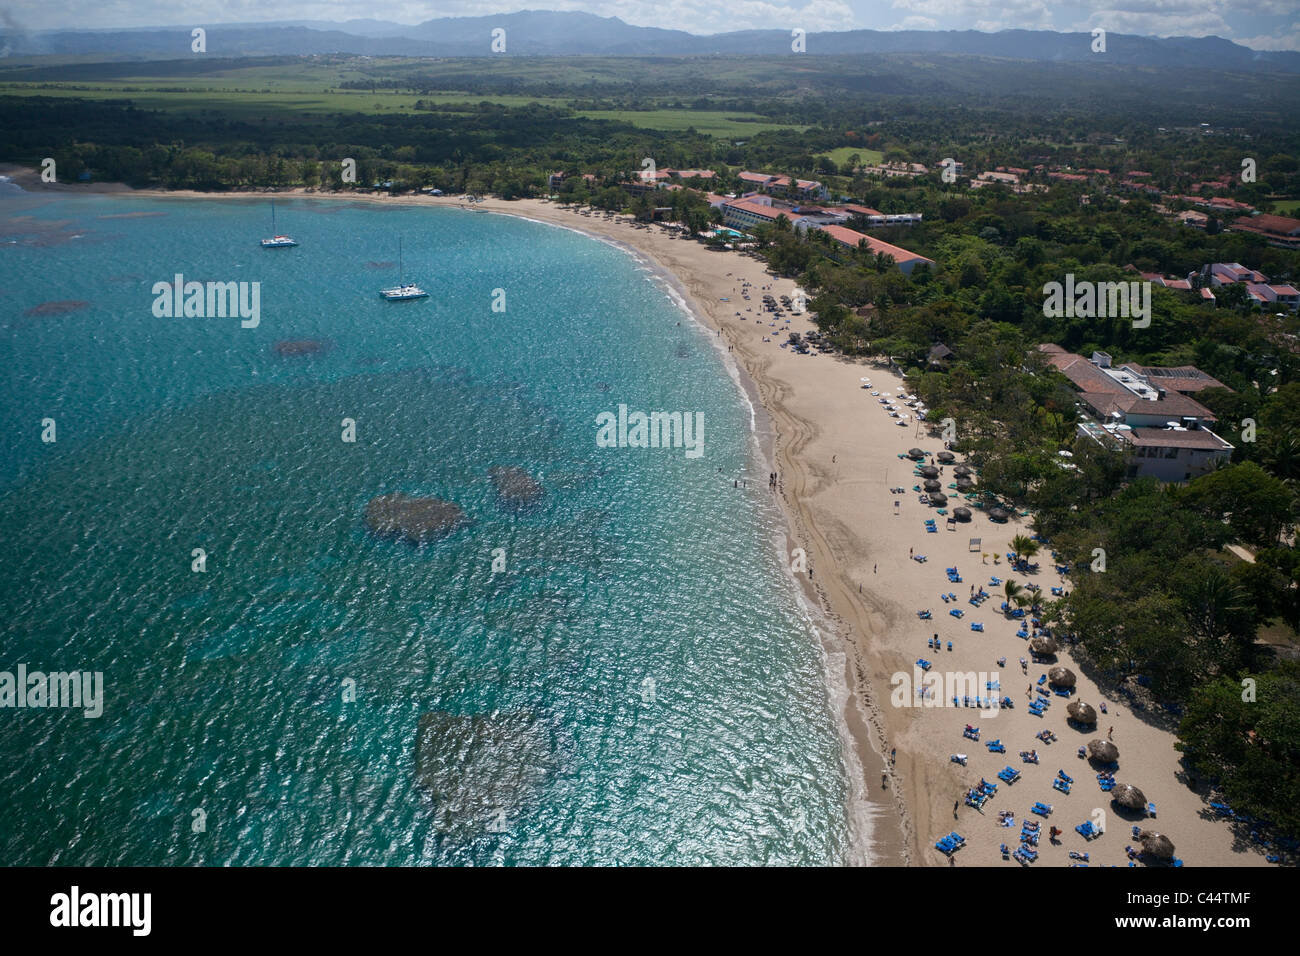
[(1110, 734), (893, 751), (955, 805), (909, 552)]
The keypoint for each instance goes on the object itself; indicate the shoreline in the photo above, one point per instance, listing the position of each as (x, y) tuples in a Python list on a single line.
[(837, 458)]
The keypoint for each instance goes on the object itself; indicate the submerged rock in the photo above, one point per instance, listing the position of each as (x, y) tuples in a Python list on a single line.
[(288, 348), (482, 770), (61, 307), (515, 487), (411, 518)]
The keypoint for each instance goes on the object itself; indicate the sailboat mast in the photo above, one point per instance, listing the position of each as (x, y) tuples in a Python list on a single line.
[(273, 232), (400, 277)]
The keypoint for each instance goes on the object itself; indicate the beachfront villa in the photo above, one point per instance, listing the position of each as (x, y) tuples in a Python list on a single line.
[(1145, 412)]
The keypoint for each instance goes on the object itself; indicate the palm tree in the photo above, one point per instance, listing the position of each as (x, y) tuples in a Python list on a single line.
[(1015, 594), (1023, 546), (1283, 457)]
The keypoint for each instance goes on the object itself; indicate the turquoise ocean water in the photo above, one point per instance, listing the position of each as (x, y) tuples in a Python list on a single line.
[(639, 685)]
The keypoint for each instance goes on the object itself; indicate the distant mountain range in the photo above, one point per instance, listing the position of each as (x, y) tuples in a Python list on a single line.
[(541, 33)]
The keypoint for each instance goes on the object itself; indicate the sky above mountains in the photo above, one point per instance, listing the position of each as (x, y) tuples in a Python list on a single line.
[(1259, 24)]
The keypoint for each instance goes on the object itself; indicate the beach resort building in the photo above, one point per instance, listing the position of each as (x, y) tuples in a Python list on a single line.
[(751, 211), (1261, 292), (783, 186), (1280, 231), (1146, 412), (1165, 454), (706, 174), (852, 239)]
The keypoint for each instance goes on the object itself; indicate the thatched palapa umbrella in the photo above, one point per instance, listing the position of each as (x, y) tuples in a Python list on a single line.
[(1043, 645), (1127, 795), (964, 483), (915, 453), (1082, 713), (961, 470), (938, 501), (1157, 844), (1061, 677), (932, 484), (946, 457), (1103, 751), (999, 514), (961, 514), (929, 471)]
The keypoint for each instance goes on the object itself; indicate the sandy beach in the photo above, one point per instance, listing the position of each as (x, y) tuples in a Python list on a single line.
[(837, 452)]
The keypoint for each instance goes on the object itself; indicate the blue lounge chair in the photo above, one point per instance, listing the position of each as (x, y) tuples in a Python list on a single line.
[(977, 627), (1059, 784)]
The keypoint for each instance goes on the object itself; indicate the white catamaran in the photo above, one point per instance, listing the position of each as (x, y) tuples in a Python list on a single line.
[(403, 290), (276, 242)]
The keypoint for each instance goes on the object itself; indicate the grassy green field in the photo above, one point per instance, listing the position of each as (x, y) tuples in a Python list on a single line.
[(869, 156), (249, 94), (245, 102), (723, 125), (1287, 208)]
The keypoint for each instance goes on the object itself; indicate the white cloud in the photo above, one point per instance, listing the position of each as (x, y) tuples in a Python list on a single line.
[(1200, 23), (915, 23), (961, 14), (1290, 41)]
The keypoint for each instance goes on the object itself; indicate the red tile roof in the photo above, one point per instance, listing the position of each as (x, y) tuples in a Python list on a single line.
[(1265, 223), (852, 239)]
